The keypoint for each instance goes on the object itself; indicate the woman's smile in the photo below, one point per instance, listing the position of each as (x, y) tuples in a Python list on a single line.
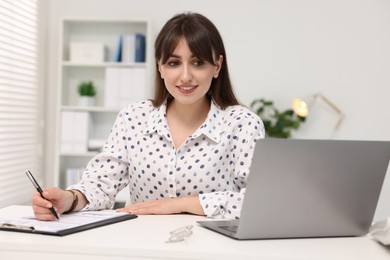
[(186, 89)]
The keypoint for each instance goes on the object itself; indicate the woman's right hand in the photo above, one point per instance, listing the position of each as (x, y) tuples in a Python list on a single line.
[(60, 199)]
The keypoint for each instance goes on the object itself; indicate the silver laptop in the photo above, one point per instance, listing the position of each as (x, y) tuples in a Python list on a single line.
[(309, 188)]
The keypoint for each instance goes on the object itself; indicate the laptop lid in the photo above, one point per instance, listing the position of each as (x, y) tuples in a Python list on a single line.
[(312, 188)]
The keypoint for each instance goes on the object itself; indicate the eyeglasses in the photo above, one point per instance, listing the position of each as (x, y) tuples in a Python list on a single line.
[(180, 234)]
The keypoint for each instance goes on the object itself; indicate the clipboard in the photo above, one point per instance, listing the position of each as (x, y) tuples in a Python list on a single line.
[(21, 219)]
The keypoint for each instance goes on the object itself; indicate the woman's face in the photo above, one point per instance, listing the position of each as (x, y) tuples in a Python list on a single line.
[(186, 77)]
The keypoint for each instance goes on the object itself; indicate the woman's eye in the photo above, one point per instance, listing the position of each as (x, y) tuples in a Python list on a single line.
[(173, 63), (198, 63)]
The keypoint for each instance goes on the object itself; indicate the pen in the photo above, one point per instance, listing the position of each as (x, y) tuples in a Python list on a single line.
[(39, 189)]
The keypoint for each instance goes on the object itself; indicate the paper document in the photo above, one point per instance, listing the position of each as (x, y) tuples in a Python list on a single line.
[(21, 218)]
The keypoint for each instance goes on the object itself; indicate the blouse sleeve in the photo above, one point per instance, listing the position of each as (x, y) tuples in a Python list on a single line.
[(228, 204), (107, 173)]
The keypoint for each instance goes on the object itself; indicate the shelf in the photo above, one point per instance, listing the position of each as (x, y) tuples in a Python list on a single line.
[(104, 64), (78, 125)]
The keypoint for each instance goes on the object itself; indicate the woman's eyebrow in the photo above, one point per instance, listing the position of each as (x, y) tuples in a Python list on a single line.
[(172, 55)]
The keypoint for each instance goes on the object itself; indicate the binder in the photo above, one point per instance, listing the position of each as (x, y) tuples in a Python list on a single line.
[(73, 139), (21, 219), (118, 51), (122, 86), (140, 47), (128, 48), (133, 48)]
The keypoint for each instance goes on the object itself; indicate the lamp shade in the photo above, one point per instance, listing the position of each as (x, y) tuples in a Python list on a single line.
[(300, 107)]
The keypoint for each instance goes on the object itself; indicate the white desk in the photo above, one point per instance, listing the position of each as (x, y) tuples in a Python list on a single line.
[(144, 238)]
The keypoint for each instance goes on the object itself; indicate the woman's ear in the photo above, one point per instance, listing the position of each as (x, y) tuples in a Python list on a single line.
[(160, 70), (218, 65)]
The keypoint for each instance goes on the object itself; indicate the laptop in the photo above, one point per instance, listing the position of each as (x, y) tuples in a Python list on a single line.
[(309, 188)]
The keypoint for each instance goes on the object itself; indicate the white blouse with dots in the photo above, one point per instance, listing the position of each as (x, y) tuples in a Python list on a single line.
[(212, 163)]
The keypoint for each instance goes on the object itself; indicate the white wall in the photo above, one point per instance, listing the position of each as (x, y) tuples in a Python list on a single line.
[(277, 49)]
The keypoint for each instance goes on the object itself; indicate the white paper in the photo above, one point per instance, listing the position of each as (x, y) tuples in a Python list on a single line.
[(23, 216)]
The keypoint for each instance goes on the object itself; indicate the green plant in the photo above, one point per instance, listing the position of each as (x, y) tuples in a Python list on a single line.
[(87, 88), (277, 124)]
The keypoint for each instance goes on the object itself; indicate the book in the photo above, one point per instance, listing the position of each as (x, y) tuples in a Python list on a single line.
[(140, 47), (21, 219), (118, 51), (128, 48), (133, 48)]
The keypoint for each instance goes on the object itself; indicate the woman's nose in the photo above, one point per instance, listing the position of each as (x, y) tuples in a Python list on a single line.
[(186, 73)]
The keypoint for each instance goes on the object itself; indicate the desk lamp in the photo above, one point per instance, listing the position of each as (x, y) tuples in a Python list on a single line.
[(301, 107)]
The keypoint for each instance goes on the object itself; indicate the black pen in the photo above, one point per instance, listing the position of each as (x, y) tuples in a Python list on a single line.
[(39, 189)]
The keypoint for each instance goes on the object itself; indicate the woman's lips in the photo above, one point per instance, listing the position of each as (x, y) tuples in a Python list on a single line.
[(186, 89)]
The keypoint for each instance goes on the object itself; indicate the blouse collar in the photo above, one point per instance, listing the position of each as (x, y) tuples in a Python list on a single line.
[(211, 127)]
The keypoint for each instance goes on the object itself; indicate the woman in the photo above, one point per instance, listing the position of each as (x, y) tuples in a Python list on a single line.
[(187, 150)]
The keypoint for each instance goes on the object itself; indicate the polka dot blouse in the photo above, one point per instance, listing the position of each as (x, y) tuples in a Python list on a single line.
[(213, 163)]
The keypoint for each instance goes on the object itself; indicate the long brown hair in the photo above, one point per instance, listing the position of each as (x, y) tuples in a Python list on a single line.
[(205, 43)]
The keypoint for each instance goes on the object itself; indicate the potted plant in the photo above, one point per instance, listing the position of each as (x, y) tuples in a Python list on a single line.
[(87, 93), (277, 124)]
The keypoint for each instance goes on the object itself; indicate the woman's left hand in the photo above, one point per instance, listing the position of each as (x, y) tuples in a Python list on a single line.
[(165, 206)]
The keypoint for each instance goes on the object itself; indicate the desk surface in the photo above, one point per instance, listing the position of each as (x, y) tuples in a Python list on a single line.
[(144, 238)]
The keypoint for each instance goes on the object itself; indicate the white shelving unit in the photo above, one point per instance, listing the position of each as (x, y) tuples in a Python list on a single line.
[(101, 118)]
